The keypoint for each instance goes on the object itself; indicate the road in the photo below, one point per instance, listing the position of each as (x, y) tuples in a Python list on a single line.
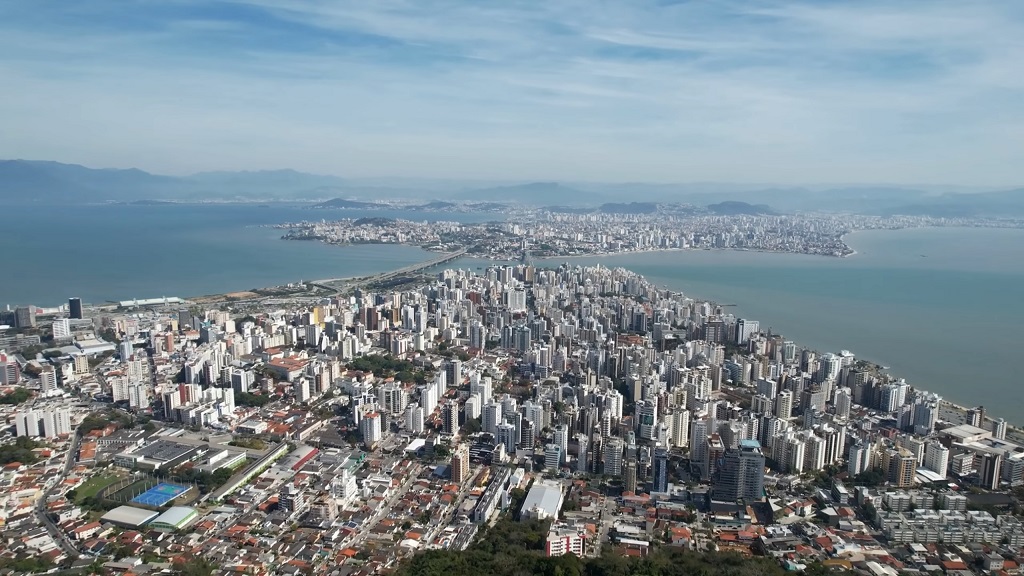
[(55, 532), (385, 508), (609, 507), (449, 516), (328, 284)]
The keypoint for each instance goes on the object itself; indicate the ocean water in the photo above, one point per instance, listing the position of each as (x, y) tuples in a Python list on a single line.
[(941, 307), (118, 252)]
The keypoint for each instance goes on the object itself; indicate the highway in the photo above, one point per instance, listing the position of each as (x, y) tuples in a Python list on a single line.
[(352, 282)]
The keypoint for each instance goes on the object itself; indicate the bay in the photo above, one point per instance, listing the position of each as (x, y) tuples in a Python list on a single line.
[(118, 252), (941, 307)]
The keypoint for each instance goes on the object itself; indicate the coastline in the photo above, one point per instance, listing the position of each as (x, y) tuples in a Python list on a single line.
[(232, 297), (657, 250)]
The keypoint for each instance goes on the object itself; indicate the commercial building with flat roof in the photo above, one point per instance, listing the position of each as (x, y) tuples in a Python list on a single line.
[(543, 501), (128, 516), (175, 518), (159, 455)]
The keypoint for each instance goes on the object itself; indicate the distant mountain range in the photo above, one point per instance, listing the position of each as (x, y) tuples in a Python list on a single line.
[(533, 194), (734, 208), (31, 181), (28, 181)]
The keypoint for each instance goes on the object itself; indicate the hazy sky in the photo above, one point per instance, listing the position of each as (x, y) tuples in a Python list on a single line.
[(822, 90)]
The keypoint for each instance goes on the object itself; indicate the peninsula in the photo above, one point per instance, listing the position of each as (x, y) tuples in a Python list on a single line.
[(551, 234), (381, 417)]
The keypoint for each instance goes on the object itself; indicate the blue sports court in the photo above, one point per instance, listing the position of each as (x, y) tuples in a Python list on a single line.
[(160, 494)]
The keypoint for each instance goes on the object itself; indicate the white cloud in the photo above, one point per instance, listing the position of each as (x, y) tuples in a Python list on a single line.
[(759, 91)]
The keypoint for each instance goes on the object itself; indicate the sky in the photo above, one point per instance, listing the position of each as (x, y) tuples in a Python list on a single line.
[(632, 91)]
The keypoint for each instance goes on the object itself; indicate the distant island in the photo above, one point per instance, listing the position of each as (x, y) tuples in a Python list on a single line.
[(621, 228)]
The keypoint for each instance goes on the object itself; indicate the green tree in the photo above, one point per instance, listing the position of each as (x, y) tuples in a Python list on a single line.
[(251, 400), (871, 477), (15, 397), (442, 452), (20, 451), (472, 426), (195, 566), (26, 565)]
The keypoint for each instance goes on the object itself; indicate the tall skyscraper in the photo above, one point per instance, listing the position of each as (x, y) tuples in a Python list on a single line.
[(507, 437), (125, 350), (784, 405), (25, 317), (647, 418), (460, 464), (680, 431), (561, 438), (629, 476), (450, 417), (900, 467), (491, 417), (988, 470), (741, 474), (843, 400), (936, 458), (61, 329), (660, 483), (613, 456), (75, 308), (371, 428), (999, 429), (552, 457), (860, 458), (745, 329)]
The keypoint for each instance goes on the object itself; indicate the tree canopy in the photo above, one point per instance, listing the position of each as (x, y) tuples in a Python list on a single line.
[(251, 400), (513, 548), (380, 364), (19, 395), (20, 451)]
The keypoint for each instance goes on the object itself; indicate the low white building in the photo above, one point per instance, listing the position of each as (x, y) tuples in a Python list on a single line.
[(543, 501)]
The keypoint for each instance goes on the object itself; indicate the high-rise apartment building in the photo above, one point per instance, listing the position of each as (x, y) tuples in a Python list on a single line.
[(460, 464), (741, 474), (552, 457), (371, 429), (43, 424), (660, 481), (629, 476), (936, 458), (25, 317), (784, 405), (491, 417), (899, 466), (450, 417), (613, 456)]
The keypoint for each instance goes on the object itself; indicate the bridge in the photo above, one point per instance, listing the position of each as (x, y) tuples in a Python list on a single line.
[(411, 269)]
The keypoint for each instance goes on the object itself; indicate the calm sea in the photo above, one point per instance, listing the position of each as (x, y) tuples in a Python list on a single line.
[(119, 252), (941, 307)]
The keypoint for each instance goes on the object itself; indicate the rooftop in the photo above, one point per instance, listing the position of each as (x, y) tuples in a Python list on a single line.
[(965, 431), (165, 450), (129, 516), (546, 496), (176, 516)]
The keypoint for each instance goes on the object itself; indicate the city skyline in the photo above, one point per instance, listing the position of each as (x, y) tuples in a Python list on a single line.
[(785, 92)]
